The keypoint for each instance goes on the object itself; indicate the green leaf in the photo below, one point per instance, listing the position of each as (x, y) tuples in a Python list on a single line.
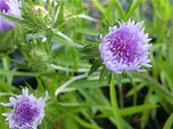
[(85, 124), (168, 123), (129, 76), (95, 66), (87, 31), (119, 9), (128, 111), (102, 76), (99, 6), (136, 109), (16, 20), (132, 9)]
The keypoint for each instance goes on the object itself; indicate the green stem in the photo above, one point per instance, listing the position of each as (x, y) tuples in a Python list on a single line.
[(114, 103), (120, 90)]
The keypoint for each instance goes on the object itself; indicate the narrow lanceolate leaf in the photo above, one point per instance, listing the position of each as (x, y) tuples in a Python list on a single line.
[(86, 125), (136, 109), (128, 111), (119, 9), (95, 66), (102, 74), (99, 5), (16, 20), (129, 76), (132, 8), (169, 122)]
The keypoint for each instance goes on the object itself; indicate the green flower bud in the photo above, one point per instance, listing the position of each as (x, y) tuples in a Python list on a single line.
[(39, 59)]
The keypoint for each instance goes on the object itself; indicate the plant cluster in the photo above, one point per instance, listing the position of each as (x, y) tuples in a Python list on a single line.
[(98, 64)]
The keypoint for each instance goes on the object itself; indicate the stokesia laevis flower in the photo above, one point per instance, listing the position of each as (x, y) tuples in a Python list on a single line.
[(9, 7), (28, 111), (125, 48)]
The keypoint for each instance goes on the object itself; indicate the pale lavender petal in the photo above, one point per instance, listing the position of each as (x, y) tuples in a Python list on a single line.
[(28, 111), (12, 8), (125, 48)]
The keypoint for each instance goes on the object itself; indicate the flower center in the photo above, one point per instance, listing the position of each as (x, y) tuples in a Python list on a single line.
[(4, 6), (123, 50), (26, 112)]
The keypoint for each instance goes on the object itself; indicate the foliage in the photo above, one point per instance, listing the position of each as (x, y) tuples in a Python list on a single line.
[(58, 46)]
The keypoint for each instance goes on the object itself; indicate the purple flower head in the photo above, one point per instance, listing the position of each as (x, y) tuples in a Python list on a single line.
[(125, 48), (9, 7), (28, 111)]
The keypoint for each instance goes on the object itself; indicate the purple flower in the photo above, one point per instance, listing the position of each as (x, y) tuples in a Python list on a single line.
[(125, 48), (28, 111), (9, 7)]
